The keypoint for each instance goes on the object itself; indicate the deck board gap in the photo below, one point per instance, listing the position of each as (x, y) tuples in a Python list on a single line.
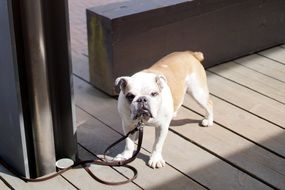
[(247, 87), (69, 182), (246, 110), (6, 183), (258, 71), (277, 61), (81, 78), (240, 135), (89, 83), (93, 116), (199, 183), (223, 159), (86, 149)]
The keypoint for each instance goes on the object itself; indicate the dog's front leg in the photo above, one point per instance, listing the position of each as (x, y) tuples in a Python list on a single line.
[(156, 160)]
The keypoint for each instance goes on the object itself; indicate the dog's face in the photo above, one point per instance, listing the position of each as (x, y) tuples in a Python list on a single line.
[(142, 94)]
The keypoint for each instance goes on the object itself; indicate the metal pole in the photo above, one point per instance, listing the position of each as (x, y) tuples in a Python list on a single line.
[(57, 35), (36, 68)]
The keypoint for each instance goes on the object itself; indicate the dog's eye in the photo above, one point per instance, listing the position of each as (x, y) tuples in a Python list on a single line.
[(154, 94), (130, 97)]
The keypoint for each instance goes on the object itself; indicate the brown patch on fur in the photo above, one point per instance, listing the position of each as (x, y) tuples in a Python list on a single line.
[(176, 67)]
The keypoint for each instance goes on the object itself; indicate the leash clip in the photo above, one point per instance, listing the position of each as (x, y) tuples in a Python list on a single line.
[(140, 124)]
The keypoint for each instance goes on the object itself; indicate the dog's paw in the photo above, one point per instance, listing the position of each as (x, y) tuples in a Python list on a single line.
[(156, 161), (207, 122), (123, 156)]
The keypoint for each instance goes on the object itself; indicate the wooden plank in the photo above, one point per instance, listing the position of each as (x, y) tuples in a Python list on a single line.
[(81, 116), (16, 183), (3, 186), (168, 178), (247, 125), (277, 54), (191, 160), (259, 82), (96, 137), (106, 173), (97, 103), (164, 178), (80, 65), (246, 99), (264, 65), (238, 151), (203, 166)]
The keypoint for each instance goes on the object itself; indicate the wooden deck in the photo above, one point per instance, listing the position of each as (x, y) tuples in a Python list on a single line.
[(245, 149)]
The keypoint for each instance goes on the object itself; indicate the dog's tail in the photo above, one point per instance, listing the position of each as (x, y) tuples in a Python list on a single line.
[(198, 55)]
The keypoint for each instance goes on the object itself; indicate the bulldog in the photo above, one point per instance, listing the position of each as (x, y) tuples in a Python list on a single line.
[(155, 95)]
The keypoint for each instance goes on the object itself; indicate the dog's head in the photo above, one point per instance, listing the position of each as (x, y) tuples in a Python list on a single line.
[(142, 93)]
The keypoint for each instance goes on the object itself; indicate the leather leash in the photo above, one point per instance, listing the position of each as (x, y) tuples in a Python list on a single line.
[(103, 162)]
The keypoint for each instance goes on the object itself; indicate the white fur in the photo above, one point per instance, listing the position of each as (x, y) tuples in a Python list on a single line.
[(201, 95), (142, 84)]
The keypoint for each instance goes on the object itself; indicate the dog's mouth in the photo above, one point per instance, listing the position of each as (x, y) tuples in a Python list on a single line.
[(143, 113)]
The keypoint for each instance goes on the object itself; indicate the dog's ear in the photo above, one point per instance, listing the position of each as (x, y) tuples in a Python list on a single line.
[(122, 82), (161, 81)]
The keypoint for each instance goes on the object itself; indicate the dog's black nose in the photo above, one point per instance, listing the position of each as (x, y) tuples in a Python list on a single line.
[(142, 99), (143, 108)]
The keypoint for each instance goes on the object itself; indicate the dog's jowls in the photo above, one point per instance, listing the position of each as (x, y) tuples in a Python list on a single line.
[(157, 93)]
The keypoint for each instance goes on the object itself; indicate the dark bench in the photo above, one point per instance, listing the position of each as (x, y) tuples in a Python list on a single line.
[(129, 36)]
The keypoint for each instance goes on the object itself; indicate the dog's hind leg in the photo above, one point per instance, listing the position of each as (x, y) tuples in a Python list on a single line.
[(198, 89)]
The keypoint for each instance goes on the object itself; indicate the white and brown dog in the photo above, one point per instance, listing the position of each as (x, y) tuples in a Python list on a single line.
[(157, 93)]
